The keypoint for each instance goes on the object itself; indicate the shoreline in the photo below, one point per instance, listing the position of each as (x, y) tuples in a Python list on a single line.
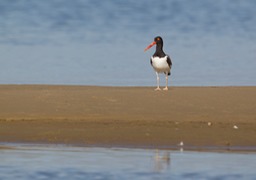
[(200, 117), (210, 149)]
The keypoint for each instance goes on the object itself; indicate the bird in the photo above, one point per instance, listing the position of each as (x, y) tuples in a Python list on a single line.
[(160, 61)]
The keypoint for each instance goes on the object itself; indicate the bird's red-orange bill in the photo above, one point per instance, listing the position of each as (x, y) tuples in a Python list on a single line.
[(149, 46)]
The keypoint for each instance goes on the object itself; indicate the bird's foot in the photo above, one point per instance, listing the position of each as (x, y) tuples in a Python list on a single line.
[(165, 89), (158, 89)]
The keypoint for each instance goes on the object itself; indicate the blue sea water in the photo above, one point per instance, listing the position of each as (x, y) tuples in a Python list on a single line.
[(88, 42), (60, 162)]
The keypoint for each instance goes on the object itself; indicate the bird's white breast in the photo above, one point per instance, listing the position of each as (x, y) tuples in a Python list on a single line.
[(160, 64)]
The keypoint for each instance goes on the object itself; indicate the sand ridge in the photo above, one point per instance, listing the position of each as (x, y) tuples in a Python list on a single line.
[(136, 116)]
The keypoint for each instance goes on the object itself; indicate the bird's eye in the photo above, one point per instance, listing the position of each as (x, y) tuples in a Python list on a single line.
[(158, 39)]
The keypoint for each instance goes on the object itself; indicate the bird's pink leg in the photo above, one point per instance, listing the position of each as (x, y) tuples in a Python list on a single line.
[(157, 81), (166, 79)]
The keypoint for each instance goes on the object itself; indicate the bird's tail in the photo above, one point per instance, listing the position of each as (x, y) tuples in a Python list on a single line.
[(169, 73)]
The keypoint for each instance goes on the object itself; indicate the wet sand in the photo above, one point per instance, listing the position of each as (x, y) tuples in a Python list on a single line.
[(128, 116)]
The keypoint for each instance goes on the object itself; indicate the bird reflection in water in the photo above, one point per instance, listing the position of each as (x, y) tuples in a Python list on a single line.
[(162, 161)]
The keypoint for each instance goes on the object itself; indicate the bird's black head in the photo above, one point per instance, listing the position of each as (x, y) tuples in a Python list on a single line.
[(158, 40)]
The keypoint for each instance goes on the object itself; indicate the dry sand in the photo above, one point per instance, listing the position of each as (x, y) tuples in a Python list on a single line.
[(128, 116)]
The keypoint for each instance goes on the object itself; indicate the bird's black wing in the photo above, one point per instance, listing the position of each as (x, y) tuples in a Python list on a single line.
[(169, 61)]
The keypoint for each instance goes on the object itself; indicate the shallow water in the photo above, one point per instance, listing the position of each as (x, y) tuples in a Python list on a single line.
[(61, 162), (91, 42)]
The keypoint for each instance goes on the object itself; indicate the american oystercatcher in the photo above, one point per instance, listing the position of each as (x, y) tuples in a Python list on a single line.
[(160, 61)]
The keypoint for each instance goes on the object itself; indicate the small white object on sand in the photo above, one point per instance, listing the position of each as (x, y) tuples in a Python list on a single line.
[(235, 127)]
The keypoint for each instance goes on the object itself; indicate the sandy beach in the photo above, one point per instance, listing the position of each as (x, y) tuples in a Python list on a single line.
[(128, 116)]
